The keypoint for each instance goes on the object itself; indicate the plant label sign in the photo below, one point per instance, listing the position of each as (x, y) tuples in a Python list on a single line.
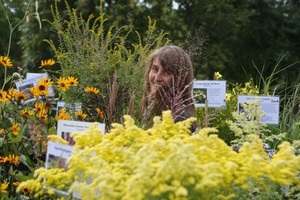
[(32, 80), (71, 107), (212, 91), (269, 105), (66, 127), (56, 157)]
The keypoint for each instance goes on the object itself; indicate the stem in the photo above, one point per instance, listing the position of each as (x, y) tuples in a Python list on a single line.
[(11, 30)]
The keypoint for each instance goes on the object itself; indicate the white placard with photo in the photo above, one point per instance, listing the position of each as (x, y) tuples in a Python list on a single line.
[(66, 127), (72, 107), (31, 81), (212, 91), (56, 157), (268, 104), (39, 75)]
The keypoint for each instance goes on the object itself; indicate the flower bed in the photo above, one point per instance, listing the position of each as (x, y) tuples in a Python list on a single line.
[(166, 162)]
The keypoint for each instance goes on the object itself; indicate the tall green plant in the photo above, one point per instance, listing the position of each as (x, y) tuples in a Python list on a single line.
[(289, 95), (102, 58)]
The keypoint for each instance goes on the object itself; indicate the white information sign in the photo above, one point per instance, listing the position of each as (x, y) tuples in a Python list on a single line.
[(66, 127), (268, 104), (32, 80), (212, 91)]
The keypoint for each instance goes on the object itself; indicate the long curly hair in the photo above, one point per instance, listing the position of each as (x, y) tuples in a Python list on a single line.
[(177, 94)]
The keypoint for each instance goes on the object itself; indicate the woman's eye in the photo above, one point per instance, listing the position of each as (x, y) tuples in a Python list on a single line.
[(154, 68)]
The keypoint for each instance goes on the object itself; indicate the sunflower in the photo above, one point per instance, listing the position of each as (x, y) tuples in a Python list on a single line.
[(81, 115), (4, 96), (5, 61), (3, 159), (40, 107), (11, 93), (13, 159), (91, 90), (63, 84), (45, 81), (43, 115), (15, 129), (27, 112), (63, 115), (47, 63), (34, 91), (42, 87), (73, 81), (100, 113), (21, 96), (26, 190)]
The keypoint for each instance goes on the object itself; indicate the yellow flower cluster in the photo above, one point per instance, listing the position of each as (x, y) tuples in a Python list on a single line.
[(63, 115), (12, 94), (166, 162), (12, 159)]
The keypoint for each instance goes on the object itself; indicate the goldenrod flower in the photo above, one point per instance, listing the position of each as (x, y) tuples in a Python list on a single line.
[(91, 90), (13, 159), (166, 161), (4, 187), (57, 139), (80, 114), (63, 84), (27, 112), (100, 113), (5, 61), (63, 115), (73, 81), (4, 96), (15, 129), (47, 63)]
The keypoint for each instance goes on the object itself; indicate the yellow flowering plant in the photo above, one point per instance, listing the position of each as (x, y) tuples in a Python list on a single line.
[(109, 72), (163, 162), (166, 162), (217, 117), (26, 127), (23, 131)]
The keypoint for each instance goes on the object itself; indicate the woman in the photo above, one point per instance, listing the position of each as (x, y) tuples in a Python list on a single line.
[(168, 85)]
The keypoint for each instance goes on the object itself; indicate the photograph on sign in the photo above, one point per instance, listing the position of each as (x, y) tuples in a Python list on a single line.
[(269, 105), (213, 92)]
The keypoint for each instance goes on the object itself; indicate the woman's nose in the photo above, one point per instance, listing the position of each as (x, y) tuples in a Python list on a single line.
[(158, 76)]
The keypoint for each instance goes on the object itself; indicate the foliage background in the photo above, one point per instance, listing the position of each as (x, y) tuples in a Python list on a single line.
[(237, 33)]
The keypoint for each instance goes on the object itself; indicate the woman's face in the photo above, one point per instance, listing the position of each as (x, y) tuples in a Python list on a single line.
[(158, 76)]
